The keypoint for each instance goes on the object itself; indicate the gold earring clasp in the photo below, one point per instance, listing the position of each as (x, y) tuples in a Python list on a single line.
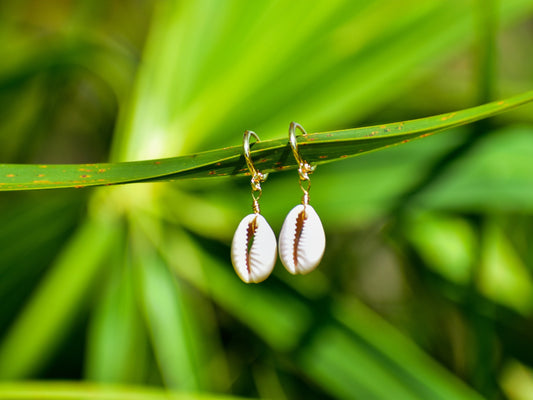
[(257, 176), (304, 168)]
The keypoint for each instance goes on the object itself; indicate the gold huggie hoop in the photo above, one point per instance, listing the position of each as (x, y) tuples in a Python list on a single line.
[(257, 176), (304, 168)]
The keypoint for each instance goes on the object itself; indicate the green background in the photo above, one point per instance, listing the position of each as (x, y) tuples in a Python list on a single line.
[(425, 290)]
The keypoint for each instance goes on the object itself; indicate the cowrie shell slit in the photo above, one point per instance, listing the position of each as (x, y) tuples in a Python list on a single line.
[(253, 250), (302, 240)]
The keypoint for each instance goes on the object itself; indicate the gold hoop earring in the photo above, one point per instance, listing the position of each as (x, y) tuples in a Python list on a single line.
[(253, 249), (302, 240)]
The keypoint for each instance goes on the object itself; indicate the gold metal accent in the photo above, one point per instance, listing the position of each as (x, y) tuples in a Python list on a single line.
[(257, 176), (304, 168)]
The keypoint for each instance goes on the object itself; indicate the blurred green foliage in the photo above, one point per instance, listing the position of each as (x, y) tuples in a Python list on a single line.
[(425, 290)]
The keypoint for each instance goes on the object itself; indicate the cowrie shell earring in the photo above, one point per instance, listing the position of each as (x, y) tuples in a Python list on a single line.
[(302, 240), (253, 250)]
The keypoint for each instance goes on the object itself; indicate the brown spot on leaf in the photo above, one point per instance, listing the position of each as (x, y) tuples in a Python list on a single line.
[(446, 117)]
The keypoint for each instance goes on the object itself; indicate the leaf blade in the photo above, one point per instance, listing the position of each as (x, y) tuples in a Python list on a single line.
[(270, 156), (85, 390)]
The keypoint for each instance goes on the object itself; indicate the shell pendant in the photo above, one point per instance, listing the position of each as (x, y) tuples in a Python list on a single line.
[(302, 240), (253, 250)]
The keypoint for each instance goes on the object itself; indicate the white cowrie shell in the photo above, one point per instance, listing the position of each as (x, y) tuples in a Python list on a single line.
[(253, 250), (302, 240)]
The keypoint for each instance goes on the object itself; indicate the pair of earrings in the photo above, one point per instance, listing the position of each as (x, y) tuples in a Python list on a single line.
[(301, 241)]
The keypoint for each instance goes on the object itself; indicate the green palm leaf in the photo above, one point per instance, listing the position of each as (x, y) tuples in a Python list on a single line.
[(271, 155), (79, 391)]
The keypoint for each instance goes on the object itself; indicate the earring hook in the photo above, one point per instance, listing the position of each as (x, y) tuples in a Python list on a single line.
[(257, 176), (304, 168)]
